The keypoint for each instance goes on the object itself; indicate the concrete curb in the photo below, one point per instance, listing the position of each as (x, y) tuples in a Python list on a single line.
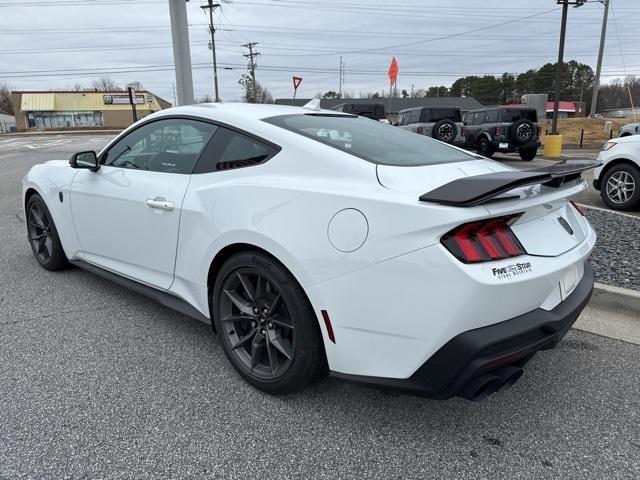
[(613, 312), (607, 297)]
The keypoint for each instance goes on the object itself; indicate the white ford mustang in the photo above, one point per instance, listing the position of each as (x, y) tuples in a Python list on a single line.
[(319, 241)]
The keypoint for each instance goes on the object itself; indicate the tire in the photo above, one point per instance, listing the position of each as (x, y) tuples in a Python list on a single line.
[(274, 342), (43, 235), (484, 148), (522, 131), (445, 130), (528, 154), (620, 187)]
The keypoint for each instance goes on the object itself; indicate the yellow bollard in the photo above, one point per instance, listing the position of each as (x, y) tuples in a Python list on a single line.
[(553, 146)]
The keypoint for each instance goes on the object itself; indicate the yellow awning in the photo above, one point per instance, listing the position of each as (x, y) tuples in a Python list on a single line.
[(86, 101), (37, 101)]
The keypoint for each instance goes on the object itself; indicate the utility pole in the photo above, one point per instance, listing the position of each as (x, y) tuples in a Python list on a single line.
[(603, 34), (181, 51), (341, 78), (563, 30), (211, 7), (252, 55)]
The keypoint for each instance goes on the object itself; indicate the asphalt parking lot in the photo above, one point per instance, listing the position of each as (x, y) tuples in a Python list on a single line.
[(99, 382)]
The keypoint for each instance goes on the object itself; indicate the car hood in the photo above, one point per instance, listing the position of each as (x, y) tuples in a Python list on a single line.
[(418, 180)]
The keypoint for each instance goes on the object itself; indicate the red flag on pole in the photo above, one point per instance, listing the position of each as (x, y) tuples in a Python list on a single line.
[(393, 71)]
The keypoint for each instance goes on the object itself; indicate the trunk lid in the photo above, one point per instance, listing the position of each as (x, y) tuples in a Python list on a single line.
[(549, 226)]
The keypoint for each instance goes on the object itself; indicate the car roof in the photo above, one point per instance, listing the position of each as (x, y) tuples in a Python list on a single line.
[(216, 111), (501, 107)]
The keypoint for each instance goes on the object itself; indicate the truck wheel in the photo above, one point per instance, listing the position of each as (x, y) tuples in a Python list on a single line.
[(528, 154), (522, 131), (484, 148), (445, 131)]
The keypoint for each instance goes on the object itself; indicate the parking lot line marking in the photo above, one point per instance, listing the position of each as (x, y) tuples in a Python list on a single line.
[(607, 210)]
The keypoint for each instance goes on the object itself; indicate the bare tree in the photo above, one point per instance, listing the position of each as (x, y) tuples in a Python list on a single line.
[(204, 99), (6, 103), (254, 93), (104, 82), (136, 85)]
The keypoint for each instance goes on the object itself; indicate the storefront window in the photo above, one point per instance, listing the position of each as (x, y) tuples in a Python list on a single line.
[(64, 119)]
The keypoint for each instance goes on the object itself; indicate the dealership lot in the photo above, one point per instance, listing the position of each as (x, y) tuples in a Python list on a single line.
[(97, 381)]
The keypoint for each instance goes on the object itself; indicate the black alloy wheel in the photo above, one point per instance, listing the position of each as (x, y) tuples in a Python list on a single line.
[(445, 131), (43, 236), (269, 331), (522, 131), (257, 323)]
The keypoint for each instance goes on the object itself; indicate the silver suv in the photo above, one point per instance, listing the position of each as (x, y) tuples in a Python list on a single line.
[(629, 129), (444, 124)]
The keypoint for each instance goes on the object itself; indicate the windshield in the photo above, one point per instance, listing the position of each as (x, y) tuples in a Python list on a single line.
[(370, 140)]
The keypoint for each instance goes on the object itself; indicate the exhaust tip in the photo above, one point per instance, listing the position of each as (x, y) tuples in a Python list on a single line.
[(508, 374), (481, 387)]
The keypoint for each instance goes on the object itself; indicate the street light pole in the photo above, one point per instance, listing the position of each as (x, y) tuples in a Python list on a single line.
[(181, 51), (603, 34), (211, 6)]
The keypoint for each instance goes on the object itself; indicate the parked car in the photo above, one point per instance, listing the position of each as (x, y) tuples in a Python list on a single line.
[(618, 178), (503, 129), (375, 111), (306, 237), (444, 124), (629, 129)]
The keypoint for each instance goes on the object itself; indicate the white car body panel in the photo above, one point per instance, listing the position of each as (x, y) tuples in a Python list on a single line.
[(625, 149), (116, 228), (393, 301)]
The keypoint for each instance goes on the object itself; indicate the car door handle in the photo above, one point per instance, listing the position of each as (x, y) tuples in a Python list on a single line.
[(160, 204)]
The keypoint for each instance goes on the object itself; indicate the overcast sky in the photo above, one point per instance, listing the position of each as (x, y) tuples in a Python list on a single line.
[(53, 44)]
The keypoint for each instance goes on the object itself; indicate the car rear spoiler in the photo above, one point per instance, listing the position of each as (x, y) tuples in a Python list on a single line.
[(479, 189)]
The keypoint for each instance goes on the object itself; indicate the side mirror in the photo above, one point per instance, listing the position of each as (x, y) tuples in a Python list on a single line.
[(87, 160)]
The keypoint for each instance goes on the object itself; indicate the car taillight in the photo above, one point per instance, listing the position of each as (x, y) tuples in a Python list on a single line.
[(484, 240), (419, 130), (462, 132), (498, 131), (580, 211), (539, 131)]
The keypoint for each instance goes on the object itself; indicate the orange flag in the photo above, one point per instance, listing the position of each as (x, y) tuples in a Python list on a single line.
[(393, 71)]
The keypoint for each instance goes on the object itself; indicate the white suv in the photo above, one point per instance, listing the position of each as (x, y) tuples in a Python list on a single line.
[(618, 179)]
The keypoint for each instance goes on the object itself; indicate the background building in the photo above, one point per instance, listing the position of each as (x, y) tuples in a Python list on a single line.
[(7, 123), (59, 110)]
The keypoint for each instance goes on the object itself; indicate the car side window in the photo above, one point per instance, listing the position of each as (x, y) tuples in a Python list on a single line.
[(171, 145), (491, 116), (230, 149)]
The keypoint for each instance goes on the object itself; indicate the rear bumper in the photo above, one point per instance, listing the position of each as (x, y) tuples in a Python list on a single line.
[(483, 350)]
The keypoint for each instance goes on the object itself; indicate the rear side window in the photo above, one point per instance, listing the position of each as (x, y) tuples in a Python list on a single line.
[(229, 149), (370, 140), (414, 116), (515, 114), (492, 116), (437, 114)]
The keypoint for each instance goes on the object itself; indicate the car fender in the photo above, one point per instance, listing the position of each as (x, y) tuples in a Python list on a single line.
[(51, 181)]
